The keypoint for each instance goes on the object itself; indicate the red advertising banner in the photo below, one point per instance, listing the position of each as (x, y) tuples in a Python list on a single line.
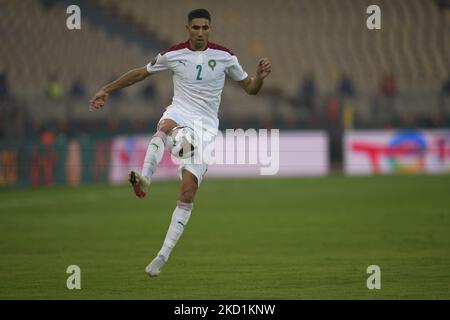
[(396, 151)]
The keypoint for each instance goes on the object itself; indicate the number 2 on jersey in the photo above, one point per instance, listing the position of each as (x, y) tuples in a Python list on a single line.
[(199, 72)]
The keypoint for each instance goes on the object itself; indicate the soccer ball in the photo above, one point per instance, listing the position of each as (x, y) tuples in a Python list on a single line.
[(182, 142)]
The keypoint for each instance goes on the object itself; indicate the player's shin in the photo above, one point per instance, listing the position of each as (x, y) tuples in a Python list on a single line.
[(154, 154), (180, 218)]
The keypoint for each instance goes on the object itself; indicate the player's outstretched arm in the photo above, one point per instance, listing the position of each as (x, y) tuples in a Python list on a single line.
[(252, 85), (129, 78)]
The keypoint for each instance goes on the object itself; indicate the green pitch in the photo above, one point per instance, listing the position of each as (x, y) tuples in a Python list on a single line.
[(247, 239)]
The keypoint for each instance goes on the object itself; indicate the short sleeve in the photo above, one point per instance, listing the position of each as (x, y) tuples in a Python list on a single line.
[(158, 64), (234, 70)]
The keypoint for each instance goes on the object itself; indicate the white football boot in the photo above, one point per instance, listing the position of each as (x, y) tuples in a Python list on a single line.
[(154, 268)]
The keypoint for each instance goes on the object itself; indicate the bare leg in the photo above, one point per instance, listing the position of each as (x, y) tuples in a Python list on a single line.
[(166, 126), (188, 187)]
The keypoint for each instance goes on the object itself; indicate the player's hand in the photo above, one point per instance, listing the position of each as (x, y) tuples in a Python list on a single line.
[(98, 101), (264, 68)]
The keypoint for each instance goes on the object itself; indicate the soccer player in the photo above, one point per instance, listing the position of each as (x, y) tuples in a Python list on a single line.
[(199, 68)]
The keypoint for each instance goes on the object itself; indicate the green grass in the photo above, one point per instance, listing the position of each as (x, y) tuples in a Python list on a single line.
[(247, 239)]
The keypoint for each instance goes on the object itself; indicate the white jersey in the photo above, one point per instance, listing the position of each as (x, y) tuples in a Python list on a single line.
[(198, 78)]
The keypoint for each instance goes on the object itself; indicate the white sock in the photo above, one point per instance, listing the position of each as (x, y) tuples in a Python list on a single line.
[(155, 151), (180, 218)]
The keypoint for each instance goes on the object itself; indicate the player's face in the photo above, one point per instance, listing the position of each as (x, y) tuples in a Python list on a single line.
[(198, 30)]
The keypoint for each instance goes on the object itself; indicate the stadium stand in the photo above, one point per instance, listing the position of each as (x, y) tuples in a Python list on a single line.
[(326, 38)]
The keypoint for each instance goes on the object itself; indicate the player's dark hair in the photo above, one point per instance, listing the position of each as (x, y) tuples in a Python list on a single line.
[(199, 13)]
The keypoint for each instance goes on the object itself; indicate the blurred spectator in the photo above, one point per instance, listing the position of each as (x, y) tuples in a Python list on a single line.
[(333, 126), (384, 111), (4, 88), (388, 86), (54, 89), (446, 87), (307, 92), (346, 90), (333, 110), (11, 111), (347, 115), (444, 95), (47, 136), (78, 89), (346, 87), (73, 163), (149, 91)]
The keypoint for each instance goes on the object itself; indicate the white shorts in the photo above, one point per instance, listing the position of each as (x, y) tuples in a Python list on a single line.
[(206, 134)]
